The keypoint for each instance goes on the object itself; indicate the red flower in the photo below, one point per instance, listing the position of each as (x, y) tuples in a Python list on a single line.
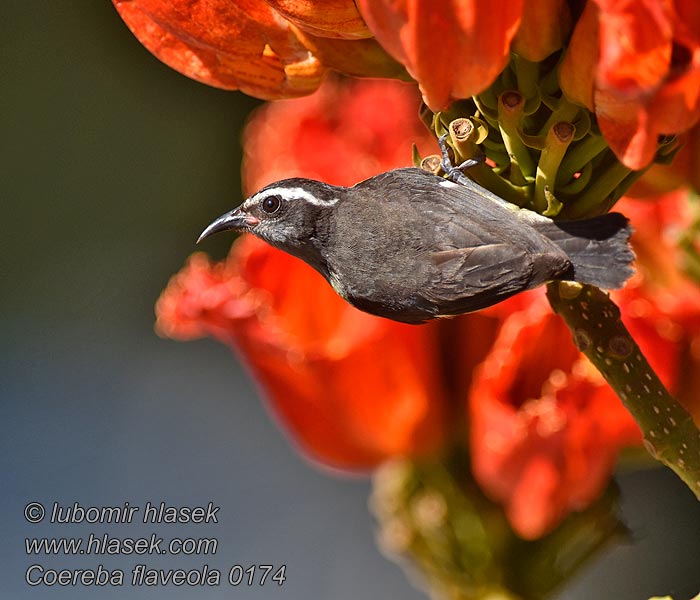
[(453, 50), (545, 427), (353, 389), (544, 28), (636, 64), (346, 132), (279, 48), (248, 45), (661, 304), (231, 45)]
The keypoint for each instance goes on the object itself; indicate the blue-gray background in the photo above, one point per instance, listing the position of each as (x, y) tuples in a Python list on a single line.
[(111, 165)]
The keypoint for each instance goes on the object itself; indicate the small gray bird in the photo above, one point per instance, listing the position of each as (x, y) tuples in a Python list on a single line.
[(411, 246)]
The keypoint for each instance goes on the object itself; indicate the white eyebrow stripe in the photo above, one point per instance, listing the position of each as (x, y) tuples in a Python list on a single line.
[(289, 194)]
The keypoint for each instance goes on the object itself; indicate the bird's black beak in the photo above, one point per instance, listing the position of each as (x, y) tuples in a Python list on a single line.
[(234, 219)]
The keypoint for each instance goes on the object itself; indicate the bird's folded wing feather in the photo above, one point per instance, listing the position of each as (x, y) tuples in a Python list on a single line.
[(465, 271)]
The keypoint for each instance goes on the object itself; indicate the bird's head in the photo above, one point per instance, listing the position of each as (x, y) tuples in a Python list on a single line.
[(285, 214)]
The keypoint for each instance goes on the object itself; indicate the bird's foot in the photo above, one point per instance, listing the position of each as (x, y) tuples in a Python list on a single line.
[(455, 172)]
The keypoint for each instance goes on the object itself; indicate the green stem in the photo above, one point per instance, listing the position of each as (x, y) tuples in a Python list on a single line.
[(557, 141), (500, 158), (510, 115), (485, 177), (580, 155), (487, 104), (593, 200), (465, 136), (565, 112), (527, 75), (575, 186), (670, 434)]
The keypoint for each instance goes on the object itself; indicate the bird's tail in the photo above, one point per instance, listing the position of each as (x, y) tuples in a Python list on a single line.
[(598, 248)]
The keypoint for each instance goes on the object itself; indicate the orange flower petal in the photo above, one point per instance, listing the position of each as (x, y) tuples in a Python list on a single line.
[(578, 69), (544, 28), (628, 130), (637, 64), (661, 305), (232, 45), (635, 44), (359, 58), (546, 429), (453, 50), (325, 18)]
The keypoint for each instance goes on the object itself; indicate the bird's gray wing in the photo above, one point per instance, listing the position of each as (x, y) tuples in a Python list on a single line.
[(481, 254), (466, 279)]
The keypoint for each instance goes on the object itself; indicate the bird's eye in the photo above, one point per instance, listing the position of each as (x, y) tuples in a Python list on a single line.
[(271, 204)]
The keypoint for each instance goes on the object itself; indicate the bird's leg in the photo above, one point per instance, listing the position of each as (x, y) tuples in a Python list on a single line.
[(454, 173)]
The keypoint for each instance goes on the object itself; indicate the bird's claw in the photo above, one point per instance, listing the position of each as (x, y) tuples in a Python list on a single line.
[(455, 172)]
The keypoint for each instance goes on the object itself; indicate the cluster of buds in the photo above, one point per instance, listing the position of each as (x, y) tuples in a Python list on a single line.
[(544, 152)]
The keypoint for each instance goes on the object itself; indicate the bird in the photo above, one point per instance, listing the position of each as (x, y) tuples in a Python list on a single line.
[(412, 246)]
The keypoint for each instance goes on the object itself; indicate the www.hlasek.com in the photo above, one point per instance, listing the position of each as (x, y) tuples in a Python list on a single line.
[(106, 545)]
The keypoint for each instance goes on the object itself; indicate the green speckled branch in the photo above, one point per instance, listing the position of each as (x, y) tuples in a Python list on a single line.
[(670, 434)]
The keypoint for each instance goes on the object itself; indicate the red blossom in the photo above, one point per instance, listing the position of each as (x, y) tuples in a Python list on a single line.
[(636, 64), (231, 45), (545, 428), (661, 304), (683, 171), (452, 49), (352, 388), (344, 133), (251, 46), (544, 27)]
